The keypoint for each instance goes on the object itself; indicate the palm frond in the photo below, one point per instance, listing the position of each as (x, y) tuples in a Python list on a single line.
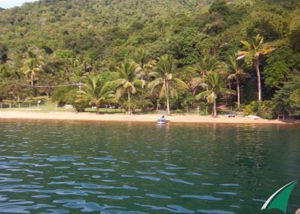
[(180, 83), (155, 83), (203, 94)]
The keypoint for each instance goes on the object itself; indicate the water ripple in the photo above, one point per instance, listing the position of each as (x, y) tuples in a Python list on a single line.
[(150, 178), (159, 196), (203, 197), (180, 181), (170, 208), (215, 212)]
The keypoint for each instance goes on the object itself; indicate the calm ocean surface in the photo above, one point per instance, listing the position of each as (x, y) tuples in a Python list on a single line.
[(135, 168)]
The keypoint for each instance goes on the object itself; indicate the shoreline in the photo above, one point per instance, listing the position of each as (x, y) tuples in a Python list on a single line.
[(92, 117)]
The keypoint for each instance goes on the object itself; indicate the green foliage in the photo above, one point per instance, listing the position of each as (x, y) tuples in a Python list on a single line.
[(215, 86), (178, 111), (139, 105), (294, 30), (279, 64), (56, 43), (219, 6), (267, 20), (286, 100), (67, 95), (261, 109), (3, 53), (183, 44), (165, 79), (94, 92)]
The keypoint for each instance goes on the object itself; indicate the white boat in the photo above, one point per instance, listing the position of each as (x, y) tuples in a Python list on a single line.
[(161, 120)]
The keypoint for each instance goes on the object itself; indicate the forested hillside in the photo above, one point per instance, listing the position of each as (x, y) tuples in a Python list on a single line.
[(219, 50)]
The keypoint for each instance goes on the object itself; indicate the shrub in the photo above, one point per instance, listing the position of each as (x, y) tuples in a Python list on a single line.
[(262, 109), (178, 111)]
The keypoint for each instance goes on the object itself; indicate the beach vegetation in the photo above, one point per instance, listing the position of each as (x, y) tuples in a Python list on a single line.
[(166, 55)]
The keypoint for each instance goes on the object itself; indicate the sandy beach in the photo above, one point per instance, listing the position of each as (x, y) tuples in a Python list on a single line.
[(72, 116)]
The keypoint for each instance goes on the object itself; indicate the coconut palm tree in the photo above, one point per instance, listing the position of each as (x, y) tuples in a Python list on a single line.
[(127, 81), (207, 64), (165, 69), (142, 59), (94, 92), (214, 86), (236, 69), (32, 66), (254, 48)]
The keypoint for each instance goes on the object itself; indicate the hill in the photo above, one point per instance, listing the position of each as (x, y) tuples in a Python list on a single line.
[(110, 30), (75, 36)]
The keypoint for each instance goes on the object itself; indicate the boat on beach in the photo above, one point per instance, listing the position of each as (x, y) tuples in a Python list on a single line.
[(162, 120)]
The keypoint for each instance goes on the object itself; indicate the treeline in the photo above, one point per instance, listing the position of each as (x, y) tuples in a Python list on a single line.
[(243, 55)]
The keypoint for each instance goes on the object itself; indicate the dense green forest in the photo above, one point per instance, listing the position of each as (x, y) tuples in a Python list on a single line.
[(178, 55)]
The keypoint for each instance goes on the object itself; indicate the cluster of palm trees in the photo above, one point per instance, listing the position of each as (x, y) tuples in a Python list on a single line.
[(130, 75), (163, 79), (211, 77)]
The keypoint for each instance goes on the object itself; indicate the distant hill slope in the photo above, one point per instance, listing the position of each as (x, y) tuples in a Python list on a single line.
[(109, 30)]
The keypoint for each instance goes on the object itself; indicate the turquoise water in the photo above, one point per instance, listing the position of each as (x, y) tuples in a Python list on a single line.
[(110, 168)]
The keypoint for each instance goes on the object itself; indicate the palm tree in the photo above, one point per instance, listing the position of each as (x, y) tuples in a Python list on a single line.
[(144, 64), (207, 64), (127, 81), (236, 69), (94, 91), (254, 48), (32, 66), (141, 57), (78, 67), (164, 78), (215, 86)]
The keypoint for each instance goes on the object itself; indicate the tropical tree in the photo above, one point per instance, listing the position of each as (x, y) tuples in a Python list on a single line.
[(144, 64), (127, 81), (207, 64), (236, 69), (94, 92), (164, 74), (214, 86), (32, 66), (254, 49), (141, 57)]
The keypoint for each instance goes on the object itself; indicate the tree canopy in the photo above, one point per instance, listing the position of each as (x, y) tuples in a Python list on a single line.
[(63, 42)]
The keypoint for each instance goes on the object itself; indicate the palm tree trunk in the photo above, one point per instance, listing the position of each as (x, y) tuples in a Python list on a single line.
[(215, 107), (167, 96), (256, 64), (238, 92), (32, 80), (129, 102), (97, 109)]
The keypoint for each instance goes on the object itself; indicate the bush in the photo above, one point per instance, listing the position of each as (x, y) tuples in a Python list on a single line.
[(262, 109), (178, 111), (142, 105), (67, 95)]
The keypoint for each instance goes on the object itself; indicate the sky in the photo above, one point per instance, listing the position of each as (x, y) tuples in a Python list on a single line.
[(13, 3)]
